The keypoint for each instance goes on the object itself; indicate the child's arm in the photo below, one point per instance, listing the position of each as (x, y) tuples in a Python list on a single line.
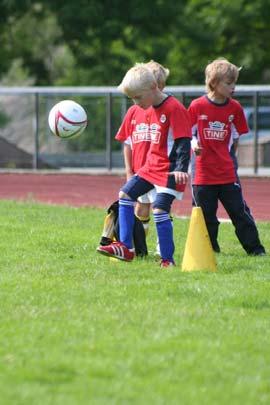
[(182, 149), (235, 145), (195, 142), (196, 145), (127, 151)]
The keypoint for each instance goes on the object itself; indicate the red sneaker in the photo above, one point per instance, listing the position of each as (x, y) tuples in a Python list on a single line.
[(117, 250), (166, 263)]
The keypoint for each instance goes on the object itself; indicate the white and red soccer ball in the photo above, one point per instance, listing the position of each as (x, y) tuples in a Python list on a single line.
[(67, 119)]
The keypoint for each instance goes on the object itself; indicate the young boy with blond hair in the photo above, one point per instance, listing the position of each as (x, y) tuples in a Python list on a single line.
[(136, 143), (217, 122), (167, 125)]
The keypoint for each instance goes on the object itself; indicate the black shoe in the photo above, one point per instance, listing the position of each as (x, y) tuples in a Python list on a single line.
[(216, 249), (258, 252), (105, 241)]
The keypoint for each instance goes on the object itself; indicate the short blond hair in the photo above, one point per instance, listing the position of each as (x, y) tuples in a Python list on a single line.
[(160, 72), (219, 70), (137, 78)]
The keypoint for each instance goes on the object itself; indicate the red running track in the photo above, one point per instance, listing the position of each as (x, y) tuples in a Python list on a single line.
[(101, 190)]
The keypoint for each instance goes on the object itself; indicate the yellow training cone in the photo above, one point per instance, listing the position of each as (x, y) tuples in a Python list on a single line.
[(198, 254)]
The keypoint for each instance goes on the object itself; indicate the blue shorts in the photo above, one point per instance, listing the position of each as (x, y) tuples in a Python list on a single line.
[(136, 187)]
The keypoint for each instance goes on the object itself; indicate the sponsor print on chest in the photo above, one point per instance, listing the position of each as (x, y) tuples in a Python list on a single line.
[(144, 132), (215, 131)]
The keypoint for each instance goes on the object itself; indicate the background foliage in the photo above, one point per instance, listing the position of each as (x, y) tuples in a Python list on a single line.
[(90, 42)]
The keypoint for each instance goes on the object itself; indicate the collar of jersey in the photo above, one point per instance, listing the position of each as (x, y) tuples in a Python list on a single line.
[(163, 101), (218, 104)]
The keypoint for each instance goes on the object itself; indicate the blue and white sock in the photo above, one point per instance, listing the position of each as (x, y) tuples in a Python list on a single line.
[(126, 221), (165, 235)]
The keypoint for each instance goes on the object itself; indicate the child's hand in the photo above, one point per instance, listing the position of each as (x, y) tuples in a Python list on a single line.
[(196, 146), (180, 177), (129, 174), (197, 149)]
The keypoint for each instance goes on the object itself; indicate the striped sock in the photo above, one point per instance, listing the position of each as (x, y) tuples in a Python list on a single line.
[(126, 221), (165, 235)]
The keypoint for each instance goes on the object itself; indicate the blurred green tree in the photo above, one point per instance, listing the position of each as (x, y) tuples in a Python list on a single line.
[(91, 42)]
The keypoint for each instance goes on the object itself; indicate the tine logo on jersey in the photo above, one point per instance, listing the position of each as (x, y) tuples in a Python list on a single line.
[(215, 131), (216, 125), (145, 133), (141, 133)]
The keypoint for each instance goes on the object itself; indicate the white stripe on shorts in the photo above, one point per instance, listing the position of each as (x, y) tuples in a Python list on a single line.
[(178, 194)]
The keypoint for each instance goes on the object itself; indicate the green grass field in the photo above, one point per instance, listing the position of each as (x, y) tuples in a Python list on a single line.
[(78, 328)]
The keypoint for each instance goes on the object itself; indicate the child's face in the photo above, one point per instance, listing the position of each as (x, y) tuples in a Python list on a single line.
[(224, 89), (143, 98)]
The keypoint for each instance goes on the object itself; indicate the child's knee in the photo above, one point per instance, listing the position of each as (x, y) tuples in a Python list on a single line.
[(158, 211), (163, 203), (123, 195), (142, 210)]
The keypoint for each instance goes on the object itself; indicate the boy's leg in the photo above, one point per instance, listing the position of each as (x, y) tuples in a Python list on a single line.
[(142, 212), (141, 226), (118, 249), (123, 250), (108, 232), (126, 220), (143, 207), (134, 188), (157, 251), (139, 238), (161, 210), (245, 227), (206, 197), (235, 163)]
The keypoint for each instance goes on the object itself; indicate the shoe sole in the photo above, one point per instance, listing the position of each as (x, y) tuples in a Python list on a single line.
[(257, 254), (113, 256)]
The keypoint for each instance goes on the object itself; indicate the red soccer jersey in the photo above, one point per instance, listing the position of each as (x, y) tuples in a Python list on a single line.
[(216, 125), (135, 131), (168, 121)]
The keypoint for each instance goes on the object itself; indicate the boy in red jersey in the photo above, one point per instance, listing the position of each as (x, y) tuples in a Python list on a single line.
[(136, 139), (166, 166), (217, 121)]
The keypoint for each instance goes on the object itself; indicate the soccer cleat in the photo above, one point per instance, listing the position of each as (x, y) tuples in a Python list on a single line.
[(216, 247), (117, 250), (166, 263), (258, 252)]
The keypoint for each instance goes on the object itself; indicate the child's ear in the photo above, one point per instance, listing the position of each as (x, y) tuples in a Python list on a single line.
[(154, 86), (213, 84)]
